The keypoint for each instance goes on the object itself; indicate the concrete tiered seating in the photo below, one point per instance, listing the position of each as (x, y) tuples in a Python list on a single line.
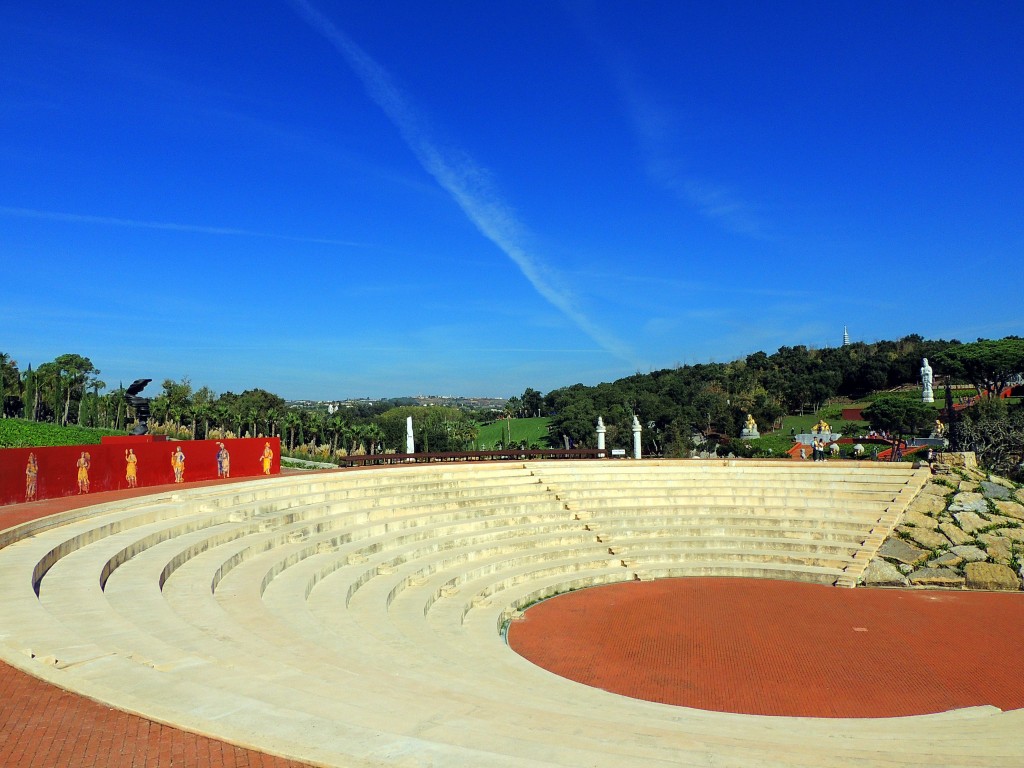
[(353, 618)]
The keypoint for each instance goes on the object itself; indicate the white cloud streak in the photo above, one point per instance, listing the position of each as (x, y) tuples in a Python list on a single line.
[(656, 125), (466, 183), (111, 221)]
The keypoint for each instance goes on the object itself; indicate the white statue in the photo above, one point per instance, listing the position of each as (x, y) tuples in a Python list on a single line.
[(926, 382)]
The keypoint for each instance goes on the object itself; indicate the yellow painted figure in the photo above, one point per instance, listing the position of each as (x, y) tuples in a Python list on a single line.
[(83, 472), (31, 477), (223, 461), (267, 458), (131, 470), (178, 464)]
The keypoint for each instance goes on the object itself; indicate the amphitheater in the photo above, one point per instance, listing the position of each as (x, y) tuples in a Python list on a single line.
[(355, 618)]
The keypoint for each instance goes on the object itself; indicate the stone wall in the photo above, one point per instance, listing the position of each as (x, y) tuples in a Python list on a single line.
[(965, 530)]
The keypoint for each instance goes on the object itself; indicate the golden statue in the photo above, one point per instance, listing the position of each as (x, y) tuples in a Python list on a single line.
[(178, 465), (83, 464), (131, 467), (751, 424)]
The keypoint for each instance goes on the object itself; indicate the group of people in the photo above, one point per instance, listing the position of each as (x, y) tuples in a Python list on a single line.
[(818, 449)]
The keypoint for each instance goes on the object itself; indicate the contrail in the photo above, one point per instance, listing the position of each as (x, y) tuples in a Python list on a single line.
[(466, 183), (111, 221)]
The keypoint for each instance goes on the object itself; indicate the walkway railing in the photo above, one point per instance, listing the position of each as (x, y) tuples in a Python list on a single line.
[(513, 454)]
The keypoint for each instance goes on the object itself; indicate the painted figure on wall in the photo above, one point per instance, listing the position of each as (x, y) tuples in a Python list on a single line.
[(31, 478), (267, 458), (131, 470), (83, 472), (178, 465), (223, 461)]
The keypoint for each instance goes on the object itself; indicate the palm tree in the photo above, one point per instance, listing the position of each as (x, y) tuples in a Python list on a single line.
[(6, 363), (337, 425), (273, 417), (291, 422), (374, 436)]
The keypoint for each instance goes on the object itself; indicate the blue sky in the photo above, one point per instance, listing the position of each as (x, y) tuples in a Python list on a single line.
[(329, 199)]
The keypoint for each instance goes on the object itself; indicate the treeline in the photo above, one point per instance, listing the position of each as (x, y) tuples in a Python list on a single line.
[(69, 391), (672, 405), (713, 399)]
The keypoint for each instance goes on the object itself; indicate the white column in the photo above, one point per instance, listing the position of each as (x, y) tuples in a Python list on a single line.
[(636, 437), (601, 429), (410, 444)]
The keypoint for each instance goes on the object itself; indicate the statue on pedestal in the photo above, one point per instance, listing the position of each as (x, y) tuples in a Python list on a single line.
[(749, 431), (926, 382)]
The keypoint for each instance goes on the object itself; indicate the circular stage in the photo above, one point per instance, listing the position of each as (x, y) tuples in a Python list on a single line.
[(779, 648)]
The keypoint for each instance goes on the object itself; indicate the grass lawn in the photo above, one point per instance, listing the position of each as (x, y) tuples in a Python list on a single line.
[(531, 431), (20, 433)]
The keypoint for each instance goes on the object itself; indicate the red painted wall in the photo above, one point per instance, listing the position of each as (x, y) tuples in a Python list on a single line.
[(58, 471)]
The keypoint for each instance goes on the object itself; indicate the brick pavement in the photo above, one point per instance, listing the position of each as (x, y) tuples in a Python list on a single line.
[(784, 648)]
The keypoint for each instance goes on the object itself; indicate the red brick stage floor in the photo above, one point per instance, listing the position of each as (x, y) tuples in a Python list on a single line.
[(782, 648), (732, 645)]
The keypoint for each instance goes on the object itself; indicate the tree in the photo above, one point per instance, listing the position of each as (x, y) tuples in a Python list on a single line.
[(74, 372), (532, 401), (10, 385), (988, 365), (995, 433), (437, 429), (899, 415)]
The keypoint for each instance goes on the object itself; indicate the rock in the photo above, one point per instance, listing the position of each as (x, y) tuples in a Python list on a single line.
[(968, 502), (990, 576), (927, 504), (901, 551), (994, 491), (959, 459), (904, 568), (999, 549), (1010, 509), (1013, 534), (1001, 481), (971, 522), (947, 560), (1000, 520), (968, 486), (936, 577), (919, 519), (970, 553), (928, 538), (882, 574), (954, 534), (933, 488)]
